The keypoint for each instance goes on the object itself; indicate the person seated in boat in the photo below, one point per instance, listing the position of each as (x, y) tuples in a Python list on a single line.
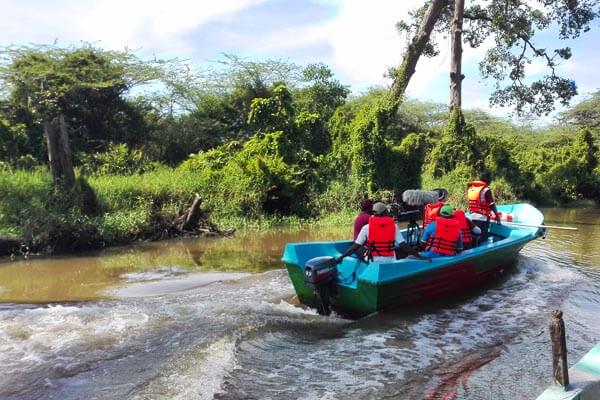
[(381, 238), (470, 232), (442, 237), (432, 210), (362, 219), (481, 203)]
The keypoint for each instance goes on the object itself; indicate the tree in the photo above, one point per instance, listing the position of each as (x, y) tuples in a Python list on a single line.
[(456, 75), (320, 93), (367, 131), (419, 44), (586, 114), (86, 84), (511, 25)]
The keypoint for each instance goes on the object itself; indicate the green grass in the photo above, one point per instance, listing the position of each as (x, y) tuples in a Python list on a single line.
[(22, 194), (127, 202)]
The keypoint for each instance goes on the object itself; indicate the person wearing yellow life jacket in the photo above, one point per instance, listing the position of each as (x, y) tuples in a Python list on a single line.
[(381, 238), (469, 231), (481, 203), (442, 237)]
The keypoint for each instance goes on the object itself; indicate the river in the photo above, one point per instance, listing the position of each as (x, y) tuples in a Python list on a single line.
[(214, 318)]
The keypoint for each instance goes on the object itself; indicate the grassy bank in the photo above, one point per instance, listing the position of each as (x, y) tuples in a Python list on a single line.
[(32, 208), (130, 206)]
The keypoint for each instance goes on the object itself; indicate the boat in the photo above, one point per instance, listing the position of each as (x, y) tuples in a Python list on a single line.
[(357, 288)]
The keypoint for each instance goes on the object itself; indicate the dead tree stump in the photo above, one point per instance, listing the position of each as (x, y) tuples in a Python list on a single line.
[(195, 221), (188, 221), (559, 349), (59, 151)]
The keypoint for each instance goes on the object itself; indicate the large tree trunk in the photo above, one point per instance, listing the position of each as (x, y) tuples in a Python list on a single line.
[(456, 75), (415, 49), (59, 152)]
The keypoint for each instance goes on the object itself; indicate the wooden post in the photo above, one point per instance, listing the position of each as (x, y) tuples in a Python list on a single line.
[(59, 151), (559, 349)]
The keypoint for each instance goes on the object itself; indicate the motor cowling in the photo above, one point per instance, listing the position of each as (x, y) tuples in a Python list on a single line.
[(320, 273)]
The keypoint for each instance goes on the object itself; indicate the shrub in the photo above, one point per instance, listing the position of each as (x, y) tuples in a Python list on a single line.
[(117, 160), (459, 145), (455, 182)]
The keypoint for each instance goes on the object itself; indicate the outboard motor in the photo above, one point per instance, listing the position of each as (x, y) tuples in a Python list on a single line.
[(320, 273)]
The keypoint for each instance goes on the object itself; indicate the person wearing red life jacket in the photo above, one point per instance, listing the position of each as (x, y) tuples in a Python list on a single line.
[(431, 212), (442, 237), (469, 231), (481, 203), (381, 238)]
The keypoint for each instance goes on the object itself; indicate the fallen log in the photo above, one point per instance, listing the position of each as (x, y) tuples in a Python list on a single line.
[(195, 221)]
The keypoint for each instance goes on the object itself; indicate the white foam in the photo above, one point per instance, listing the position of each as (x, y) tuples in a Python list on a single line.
[(148, 286), (157, 274), (196, 375)]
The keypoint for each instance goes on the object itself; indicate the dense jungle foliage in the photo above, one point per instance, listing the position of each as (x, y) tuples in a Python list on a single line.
[(259, 141)]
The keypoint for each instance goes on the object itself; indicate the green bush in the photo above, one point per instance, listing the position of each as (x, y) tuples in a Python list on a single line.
[(455, 182), (117, 160), (212, 159), (459, 145), (337, 197)]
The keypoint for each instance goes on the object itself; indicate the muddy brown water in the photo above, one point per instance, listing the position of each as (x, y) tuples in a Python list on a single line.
[(211, 318)]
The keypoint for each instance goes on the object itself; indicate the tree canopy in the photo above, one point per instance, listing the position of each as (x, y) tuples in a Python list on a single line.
[(86, 84), (585, 114), (510, 28)]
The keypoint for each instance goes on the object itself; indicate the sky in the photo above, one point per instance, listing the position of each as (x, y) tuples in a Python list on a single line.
[(357, 39)]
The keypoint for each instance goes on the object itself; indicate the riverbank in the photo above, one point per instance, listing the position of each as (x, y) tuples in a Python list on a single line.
[(109, 210), (36, 217)]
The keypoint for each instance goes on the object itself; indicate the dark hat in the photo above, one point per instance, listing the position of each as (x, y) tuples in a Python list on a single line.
[(366, 205)]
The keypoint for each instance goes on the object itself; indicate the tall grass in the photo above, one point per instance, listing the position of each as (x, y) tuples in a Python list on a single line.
[(127, 203), (22, 195)]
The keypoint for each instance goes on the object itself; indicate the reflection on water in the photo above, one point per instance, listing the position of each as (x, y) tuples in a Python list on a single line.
[(581, 246), (96, 275), (205, 319)]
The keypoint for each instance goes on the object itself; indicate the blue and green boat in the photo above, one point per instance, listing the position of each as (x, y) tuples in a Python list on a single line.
[(362, 288)]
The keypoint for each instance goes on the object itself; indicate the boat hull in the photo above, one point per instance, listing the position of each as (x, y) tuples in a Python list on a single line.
[(366, 288), (368, 297)]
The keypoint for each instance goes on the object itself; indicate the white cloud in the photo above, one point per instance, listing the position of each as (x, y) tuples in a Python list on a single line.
[(364, 38), (152, 25)]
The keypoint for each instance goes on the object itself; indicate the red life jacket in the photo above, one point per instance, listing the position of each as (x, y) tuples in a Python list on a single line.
[(463, 225), (477, 202), (432, 211), (445, 239), (380, 241)]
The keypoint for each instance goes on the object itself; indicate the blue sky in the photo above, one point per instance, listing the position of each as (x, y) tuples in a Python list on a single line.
[(356, 38)]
